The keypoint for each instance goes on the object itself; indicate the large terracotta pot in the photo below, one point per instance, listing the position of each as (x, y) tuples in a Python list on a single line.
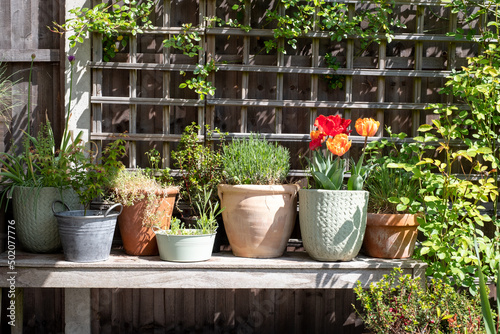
[(390, 236), (258, 219), (36, 226), (332, 222), (139, 239)]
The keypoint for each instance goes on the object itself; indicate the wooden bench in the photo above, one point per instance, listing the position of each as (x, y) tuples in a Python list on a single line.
[(295, 270)]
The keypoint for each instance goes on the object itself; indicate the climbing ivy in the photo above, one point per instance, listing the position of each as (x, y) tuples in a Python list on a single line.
[(113, 21)]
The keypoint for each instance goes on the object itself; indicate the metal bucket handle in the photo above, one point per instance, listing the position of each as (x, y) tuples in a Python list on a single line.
[(112, 207), (58, 201)]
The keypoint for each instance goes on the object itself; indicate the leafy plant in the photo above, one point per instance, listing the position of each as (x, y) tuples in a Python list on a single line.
[(161, 175), (188, 43), (402, 304), (301, 18), (200, 165), (41, 163), (334, 81), (131, 187), (91, 178), (392, 189), (453, 204), (111, 20), (491, 321), (255, 161), (206, 223)]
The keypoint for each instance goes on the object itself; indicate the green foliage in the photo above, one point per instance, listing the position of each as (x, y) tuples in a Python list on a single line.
[(478, 86), (255, 161), (492, 322), (188, 42), (41, 164), (206, 223), (111, 20), (200, 165), (209, 210), (359, 173), (91, 178), (402, 304), (160, 175), (327, 172), (301, 18), (453, 205), (334, 81), (6, 100), (393, 189)]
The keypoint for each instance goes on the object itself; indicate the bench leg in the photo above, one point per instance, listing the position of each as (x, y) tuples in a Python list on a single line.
[(77, 311)]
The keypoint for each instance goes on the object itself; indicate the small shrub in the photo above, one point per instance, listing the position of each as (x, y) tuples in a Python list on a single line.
[(255, 161), (200, 165), (401, 304)]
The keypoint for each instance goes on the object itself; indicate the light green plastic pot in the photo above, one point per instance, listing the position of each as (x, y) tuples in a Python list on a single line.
[(184, 248)]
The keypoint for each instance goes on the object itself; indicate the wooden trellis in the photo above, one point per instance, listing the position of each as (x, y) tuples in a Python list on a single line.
[(276, 94)]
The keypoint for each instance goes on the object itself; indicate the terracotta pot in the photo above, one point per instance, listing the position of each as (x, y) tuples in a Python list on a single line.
[(390, 236), (258, 219), (138, 239)]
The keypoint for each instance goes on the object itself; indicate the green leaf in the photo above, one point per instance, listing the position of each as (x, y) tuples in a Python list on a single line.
[(485, 303), (425, 128)]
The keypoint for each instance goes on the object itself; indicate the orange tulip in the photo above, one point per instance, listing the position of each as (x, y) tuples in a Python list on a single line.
[(366, 127), (339, 145), (317, 138)]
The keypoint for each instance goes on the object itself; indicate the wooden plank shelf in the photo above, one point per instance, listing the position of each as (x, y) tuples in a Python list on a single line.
[(294, 270)]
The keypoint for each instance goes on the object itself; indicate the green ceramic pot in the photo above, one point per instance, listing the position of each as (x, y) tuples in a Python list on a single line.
[(36, 226), (332, 222)]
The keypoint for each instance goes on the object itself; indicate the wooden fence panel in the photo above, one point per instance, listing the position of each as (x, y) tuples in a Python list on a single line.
[(24, 32), (224, 311)]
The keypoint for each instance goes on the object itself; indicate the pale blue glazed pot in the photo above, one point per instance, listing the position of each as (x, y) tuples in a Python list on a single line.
[(332, 222)]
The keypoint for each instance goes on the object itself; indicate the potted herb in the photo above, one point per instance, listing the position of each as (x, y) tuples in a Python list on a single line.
[(199, 166), (391, 226), (200, 170), (87, 235), (332, 218), (147, 202), (259, 210), (190, 244)]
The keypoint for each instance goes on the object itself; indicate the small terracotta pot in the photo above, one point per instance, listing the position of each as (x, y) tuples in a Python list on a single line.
[(138, 239), (258, 219), (390, 236)]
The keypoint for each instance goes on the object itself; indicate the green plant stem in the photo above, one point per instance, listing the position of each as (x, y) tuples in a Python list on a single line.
[(29, 95)]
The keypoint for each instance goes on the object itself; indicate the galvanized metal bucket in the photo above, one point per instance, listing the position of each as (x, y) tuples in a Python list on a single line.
[(87, 236)]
